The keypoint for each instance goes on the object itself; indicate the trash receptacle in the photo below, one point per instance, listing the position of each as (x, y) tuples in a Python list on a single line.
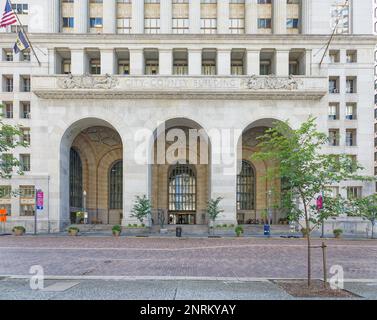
[(178, 232), (267, 230)]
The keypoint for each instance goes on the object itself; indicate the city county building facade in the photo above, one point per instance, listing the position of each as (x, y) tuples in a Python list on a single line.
[(119, 83)]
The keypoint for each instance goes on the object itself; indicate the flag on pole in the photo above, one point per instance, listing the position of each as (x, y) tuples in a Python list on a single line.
[(8, 16), (21, 43)]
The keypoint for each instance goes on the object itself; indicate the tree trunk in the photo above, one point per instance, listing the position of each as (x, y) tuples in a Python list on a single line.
[(309, 245)]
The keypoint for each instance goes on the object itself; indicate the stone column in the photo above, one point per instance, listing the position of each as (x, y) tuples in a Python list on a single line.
[(195, 62), (251, 16), (53, 16), (166, 61), (138, 16), (279, 14), (52, 63), (306, 19), (166, 16), (136, 62), (109, 16), (282, 63), (222, 16), (253, 62), (135, 176), (81, 12), (223, 62), (108, 61), (79, 62), (194, 15), (223, 184)]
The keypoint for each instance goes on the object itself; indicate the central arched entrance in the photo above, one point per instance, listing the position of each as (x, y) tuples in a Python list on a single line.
[(94, 172), (180, 172)]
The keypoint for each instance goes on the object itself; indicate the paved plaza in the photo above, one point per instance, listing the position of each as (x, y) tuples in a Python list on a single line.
[(170, 268)]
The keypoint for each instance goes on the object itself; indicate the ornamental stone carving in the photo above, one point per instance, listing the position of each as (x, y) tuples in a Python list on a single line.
[(274, 83), (88, 82)]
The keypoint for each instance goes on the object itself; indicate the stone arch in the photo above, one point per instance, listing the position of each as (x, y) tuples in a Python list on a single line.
[(99, 144), (247, 144), (159, 172)]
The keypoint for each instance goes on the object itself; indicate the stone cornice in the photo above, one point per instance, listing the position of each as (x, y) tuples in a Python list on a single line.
[(51, 40), (174, 87)]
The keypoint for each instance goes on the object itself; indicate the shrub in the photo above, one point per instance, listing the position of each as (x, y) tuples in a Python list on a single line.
[(117, 228), (225, 225), (337, 232), (19, 228), (73, 229), (239, 230)]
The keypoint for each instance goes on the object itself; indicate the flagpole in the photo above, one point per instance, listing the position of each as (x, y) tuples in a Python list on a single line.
[(23, 30), (331, 38)]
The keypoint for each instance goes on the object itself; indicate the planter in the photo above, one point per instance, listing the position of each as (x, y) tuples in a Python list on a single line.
[(73, 233), (18, 232), (116, 233)]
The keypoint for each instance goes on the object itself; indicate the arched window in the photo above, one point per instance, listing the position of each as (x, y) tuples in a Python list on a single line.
[(246, 187), (182, 188), (75, 179), (116, 186)]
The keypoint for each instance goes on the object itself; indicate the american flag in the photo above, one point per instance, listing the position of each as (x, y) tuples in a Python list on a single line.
[(8, 17)]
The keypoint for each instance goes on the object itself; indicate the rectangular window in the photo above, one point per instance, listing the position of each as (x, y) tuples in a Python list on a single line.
[(152, 25), (25, 110), (68, 22), (334, 111), (334, 137), (354, 192), (351, 111), (180, 25), (20, 8), (96, 22), (8, 110), (334, 85), (95, 66), (208, 26), (351, 137), (124, 25), (8, 83), (237, 25), (25, 83), (124, 67), (25, 135), (25, 162), (264, 23), (292, 23), (351, 85)]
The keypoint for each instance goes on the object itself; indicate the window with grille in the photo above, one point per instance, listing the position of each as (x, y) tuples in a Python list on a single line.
[(116, 186), (246, 187), (182, 188), (75, 179)]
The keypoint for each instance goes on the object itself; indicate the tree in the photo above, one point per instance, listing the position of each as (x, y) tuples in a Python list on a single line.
[(305, 173), (365, 208), (11, 137), (142, 208), (213, 208)]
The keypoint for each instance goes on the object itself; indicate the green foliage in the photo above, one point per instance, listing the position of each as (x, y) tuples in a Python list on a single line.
[(19, 228), (366, 208), (213, 208), (73, 229), (337, 232), (10, 138), (239, 230), (305, 170), (117, 228), (142, 208)]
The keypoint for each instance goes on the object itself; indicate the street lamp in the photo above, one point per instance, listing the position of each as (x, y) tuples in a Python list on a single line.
[(84, 208), (269, 194)]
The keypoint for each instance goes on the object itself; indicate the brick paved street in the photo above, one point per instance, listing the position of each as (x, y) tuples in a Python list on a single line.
[(171, 257)]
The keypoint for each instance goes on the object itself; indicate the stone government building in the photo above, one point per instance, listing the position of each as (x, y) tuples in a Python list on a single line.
[(112, 69)]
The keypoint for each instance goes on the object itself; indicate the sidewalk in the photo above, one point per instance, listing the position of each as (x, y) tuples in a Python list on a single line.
[(81, 289)]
